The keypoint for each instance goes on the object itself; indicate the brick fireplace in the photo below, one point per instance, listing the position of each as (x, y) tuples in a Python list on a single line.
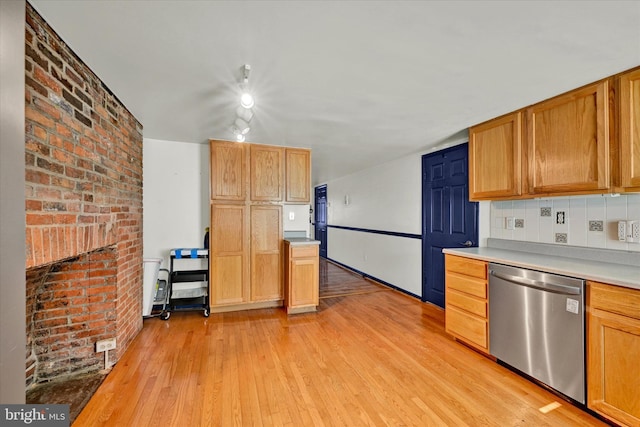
[(83, 155)]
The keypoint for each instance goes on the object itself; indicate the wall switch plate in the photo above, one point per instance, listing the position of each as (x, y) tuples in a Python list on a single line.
[(292, 216), (510, 223), (633, 231), (105, 345), (622, 231)]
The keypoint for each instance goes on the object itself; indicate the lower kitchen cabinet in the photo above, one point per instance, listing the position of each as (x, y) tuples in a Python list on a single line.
[(466, 304), (302, 278), (613, 358)]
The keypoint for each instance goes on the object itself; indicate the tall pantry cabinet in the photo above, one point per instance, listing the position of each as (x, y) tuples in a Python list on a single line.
[(247, 192)]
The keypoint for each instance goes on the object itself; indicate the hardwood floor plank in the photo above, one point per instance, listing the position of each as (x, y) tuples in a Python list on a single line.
[(373, 359)]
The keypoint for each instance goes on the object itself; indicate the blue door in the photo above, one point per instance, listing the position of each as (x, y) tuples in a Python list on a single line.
[(321, 218), (449, 219)]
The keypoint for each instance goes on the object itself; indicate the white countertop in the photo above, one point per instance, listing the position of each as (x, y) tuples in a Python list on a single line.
[(610, 273), (300, 241)]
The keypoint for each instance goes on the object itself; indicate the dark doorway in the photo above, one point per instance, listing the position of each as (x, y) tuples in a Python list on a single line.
[(321, 218), (449, 219)]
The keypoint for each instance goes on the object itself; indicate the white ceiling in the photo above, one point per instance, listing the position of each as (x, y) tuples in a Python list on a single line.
[(359, 82)]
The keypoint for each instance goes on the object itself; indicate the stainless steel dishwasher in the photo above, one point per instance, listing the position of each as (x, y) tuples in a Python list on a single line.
[(536, 325)]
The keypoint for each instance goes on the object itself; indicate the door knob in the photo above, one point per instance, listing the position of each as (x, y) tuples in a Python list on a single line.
[(468, 243)]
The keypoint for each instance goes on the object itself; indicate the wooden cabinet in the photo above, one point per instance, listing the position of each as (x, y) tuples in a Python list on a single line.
[(613, 357), (568, 142), (228, 255), (302, 279), (246, 233), (466, 303), (298, 175), (495, 158), (228, 170), (267, 173), (266, 252), (629, 130)]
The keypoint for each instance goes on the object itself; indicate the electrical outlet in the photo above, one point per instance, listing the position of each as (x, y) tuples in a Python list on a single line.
[(561, 237), (622, 231), (596, 225), (633, 231), (105, 345)]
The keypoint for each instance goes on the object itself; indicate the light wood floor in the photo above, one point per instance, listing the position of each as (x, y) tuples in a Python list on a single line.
[(376, 358)]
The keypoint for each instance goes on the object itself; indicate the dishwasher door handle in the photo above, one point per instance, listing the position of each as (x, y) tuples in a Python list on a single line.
[(537, 284)]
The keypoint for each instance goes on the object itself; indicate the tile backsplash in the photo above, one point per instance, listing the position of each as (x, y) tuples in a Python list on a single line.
[(589, 221)]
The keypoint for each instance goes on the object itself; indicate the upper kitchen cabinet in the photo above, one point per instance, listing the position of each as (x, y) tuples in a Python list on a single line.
[(267, 173), (568, 142), (495, 158), (228, 166), (629, 130), (298, 174)]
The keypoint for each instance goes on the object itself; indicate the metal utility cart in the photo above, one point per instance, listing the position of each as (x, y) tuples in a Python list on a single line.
[(188, 287)]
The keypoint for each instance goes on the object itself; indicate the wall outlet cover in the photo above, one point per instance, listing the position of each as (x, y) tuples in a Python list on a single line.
[(561, 237), (596, 225)]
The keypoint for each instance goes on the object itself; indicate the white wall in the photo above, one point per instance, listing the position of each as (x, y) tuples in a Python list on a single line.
[(579, 210), (175, 196), (385, 198), (12, 219)]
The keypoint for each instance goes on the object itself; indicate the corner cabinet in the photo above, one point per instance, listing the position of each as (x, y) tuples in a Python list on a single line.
[(568, 142), (495, 158), (629, 130), (613, 358), (302, 279), (298, 175), (466, 303)]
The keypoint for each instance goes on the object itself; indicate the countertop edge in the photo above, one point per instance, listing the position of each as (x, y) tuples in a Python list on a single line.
[(612, 274), (301, 241)]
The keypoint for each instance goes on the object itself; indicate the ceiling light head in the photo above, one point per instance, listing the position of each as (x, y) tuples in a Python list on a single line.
[(245, 114), (246, 100), (241, 126), (240, 137)]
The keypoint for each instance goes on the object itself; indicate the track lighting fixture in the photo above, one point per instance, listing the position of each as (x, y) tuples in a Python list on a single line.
[(244, 112)]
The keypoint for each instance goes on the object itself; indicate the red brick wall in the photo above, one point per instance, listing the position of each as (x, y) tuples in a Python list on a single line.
[(83, 154)]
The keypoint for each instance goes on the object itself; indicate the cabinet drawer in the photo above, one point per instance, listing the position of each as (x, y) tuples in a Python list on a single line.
[(467, 266), (466, 326), (304, 251), (467, 303), (615, 299), (469, 285)]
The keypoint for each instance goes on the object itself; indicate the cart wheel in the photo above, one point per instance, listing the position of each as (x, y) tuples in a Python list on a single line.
[(206, 312), (165, 315)]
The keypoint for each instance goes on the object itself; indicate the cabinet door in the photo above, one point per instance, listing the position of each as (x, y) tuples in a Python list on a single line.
[(228, 166), (613, 368), (304, 281), (266, 253), (630, 130), (267, 173), (228, 255), (568, 140), (298, 176), (495, 162)]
